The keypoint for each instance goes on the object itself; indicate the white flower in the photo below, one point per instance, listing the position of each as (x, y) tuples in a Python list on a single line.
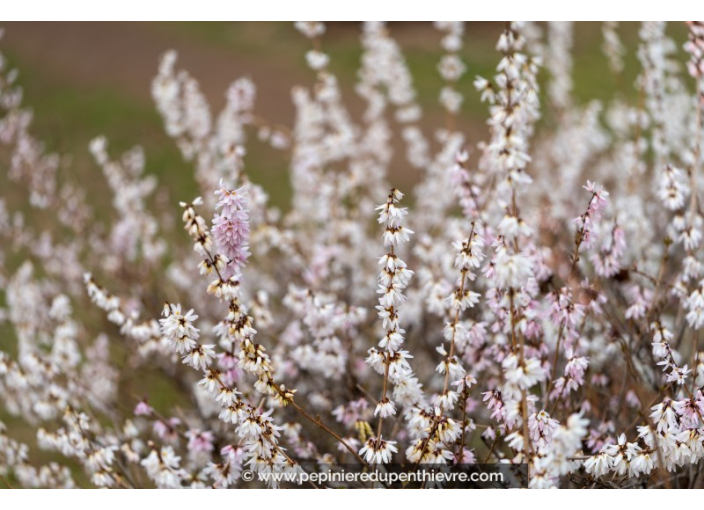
[(695, 304), (512, 227), (569, 437), (691, 237), (393, 236), (200, 356), (310, 29), (227, 396), (524, 375), (179, 328), (392, 341), (378, 451), (512, 270), (448, 431), (599, 464), (642, 464), (450, 99), (391, 215), (317, 60), (385, 408), (446, 400), (451, 67)]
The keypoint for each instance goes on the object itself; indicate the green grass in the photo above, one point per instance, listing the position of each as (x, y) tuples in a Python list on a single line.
[(67, 116)]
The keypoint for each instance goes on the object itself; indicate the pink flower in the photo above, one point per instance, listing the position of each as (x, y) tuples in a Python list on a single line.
[(231, 228), (200, 441), (143, 409)]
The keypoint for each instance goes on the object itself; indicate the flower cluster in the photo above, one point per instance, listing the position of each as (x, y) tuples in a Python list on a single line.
[(391, 361), (527, 318), (231, 228)]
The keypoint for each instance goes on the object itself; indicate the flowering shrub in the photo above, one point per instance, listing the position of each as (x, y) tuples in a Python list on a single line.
[(510, 310)]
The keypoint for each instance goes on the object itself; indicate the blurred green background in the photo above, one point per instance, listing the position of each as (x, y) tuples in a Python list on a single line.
[(88, 79)]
